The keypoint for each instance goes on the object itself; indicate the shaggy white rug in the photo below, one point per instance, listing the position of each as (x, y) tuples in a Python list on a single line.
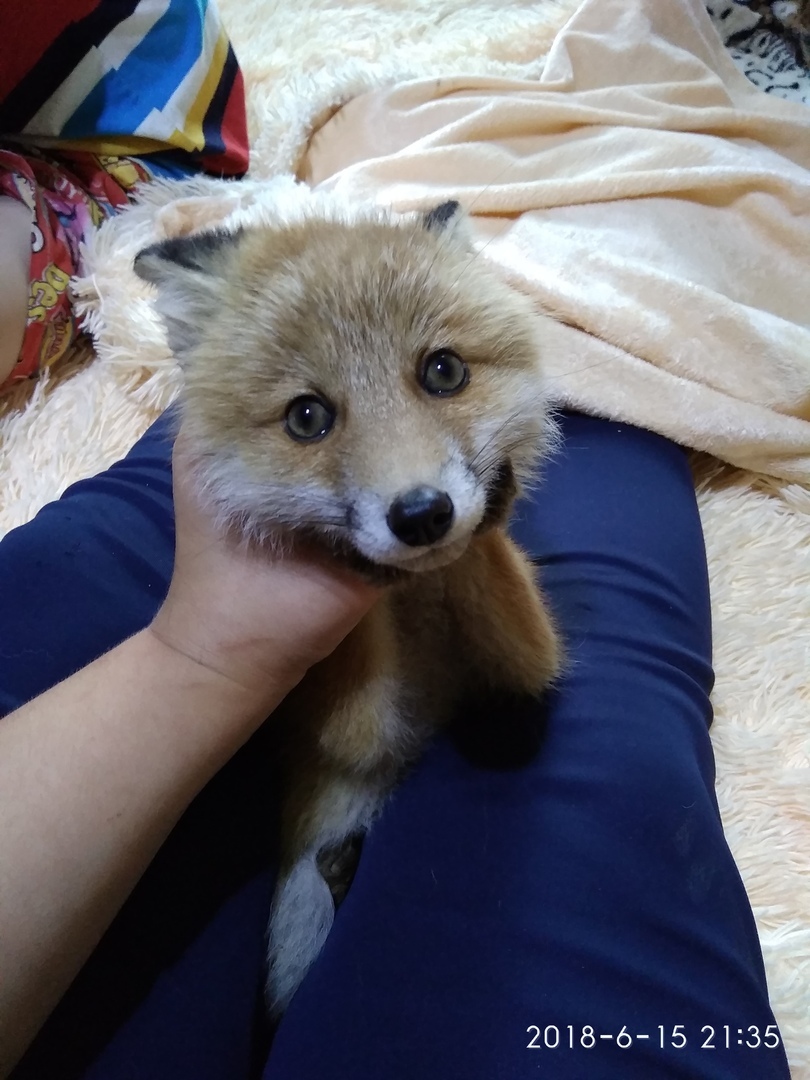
[(301, 58)]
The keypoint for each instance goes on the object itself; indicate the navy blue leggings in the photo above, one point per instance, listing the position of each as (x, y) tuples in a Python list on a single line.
[(577, 919)]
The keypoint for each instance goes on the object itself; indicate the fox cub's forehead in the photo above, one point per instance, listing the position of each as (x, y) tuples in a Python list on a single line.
[(375, 291), (361, 270)]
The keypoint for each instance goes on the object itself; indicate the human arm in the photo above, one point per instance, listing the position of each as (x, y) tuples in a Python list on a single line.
[(95, 772)]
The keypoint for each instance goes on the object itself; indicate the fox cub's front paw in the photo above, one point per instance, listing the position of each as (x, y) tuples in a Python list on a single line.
[(499, 728)]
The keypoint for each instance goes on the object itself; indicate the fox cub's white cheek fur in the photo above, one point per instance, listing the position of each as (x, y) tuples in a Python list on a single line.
[(256, 503)]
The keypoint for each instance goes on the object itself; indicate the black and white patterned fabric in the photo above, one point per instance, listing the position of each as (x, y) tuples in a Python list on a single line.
[(769, 42)]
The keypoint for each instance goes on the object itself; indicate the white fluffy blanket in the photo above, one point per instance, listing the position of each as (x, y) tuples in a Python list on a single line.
[(302, 59)]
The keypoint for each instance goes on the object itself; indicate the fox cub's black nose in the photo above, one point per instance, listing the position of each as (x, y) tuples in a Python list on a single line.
[(421, 516)]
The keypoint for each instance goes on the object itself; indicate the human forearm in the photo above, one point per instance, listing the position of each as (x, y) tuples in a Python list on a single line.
[(93, 776)]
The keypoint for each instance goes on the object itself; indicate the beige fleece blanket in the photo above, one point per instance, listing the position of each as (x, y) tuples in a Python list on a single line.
[(646, 195)]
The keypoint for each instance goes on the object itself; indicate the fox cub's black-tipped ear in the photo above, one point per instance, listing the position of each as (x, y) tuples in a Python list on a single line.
[(201, 252), (440, 217), (188, 272)]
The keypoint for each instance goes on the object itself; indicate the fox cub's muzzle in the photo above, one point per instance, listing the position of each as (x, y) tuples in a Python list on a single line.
[(421, 516)]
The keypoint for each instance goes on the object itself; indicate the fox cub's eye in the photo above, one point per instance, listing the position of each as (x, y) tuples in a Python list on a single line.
[(308, 418), (443, 372)]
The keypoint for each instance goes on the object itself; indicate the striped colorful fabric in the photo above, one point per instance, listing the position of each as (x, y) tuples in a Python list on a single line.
[(123, 77)]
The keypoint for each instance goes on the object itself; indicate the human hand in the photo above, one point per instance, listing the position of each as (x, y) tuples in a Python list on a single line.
[(246, 614)]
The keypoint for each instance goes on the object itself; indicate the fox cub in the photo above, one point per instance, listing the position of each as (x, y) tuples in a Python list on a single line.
[(364, 381)]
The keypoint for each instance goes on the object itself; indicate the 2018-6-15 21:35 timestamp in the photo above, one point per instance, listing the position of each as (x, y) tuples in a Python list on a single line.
[(676, 1037)]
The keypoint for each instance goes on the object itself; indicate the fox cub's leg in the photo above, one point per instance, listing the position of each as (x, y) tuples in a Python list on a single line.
[(507, 629), (511, 649), (341, 768), (315, 875)]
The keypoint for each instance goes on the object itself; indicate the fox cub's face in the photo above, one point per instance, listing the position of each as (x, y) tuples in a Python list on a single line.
[(369, 382)]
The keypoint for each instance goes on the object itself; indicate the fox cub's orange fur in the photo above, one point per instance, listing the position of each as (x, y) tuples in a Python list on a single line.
[(366, 382)]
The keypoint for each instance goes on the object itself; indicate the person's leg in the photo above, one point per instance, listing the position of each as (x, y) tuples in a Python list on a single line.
[(590, 898), (172, 991), (89, 570)]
